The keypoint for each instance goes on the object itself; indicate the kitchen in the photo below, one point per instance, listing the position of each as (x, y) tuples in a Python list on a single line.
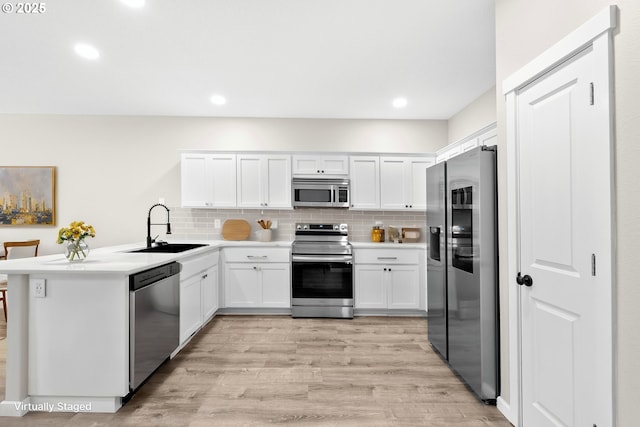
[(119, 145)]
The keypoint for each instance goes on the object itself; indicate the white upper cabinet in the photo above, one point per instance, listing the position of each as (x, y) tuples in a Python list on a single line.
[(486, 136), (489, 138), (308, 165), (264, 181), (208, 180), (403, 182), (365, 182)]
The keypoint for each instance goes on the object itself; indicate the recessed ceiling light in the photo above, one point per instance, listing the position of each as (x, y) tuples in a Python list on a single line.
[(218, 100), (134, 3), (86, 51), (399, 103)]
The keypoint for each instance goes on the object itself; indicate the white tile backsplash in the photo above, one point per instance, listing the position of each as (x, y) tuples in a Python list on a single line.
[(189, 223)]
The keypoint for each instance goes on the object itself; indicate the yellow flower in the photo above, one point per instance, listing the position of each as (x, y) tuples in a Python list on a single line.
[(77, 230)]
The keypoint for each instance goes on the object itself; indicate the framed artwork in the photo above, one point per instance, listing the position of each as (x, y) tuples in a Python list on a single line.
[(27, 195)]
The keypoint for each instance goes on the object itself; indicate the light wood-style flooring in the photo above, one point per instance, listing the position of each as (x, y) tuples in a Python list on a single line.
[(262, 370)]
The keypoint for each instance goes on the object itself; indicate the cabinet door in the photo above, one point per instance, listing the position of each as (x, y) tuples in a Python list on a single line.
[(277, 182), (209, 285), (365, 182), (276, 285), (370, 287), (335, 165), (417, 176), (190, 307), (208, 180), (393, 183), (313, 165), (195, 190), (249, 181), (306, 165), (241, 285), (403, 286), (221, 174)]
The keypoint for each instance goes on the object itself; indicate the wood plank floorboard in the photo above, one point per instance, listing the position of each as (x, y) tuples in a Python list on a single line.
[(265, 370)]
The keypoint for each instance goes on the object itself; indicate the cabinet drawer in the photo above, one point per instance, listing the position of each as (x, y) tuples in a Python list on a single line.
[(256, 254), (196, 264), (387, 256)]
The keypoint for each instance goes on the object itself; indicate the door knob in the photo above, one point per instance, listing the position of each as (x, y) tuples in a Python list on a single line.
[(525, 280)]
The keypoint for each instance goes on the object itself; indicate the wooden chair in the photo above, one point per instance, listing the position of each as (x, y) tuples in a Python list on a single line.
[(14, 250)]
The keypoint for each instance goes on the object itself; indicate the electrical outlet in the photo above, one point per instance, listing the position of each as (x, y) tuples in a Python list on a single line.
[(216, 223), (39, 288), (161, 200), (274, 224)]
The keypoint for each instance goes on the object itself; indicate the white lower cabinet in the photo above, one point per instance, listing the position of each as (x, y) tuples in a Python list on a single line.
[(209, 288), (257, 278), (371, 287), (388, 279), (190, 302), (198, 293), (276, 285), (241, 283)]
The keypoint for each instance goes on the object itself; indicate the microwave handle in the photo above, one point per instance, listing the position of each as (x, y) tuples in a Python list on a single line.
[(333, 194)]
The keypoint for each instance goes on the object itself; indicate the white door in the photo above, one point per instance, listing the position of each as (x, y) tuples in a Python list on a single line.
[(249, 181), (370, 287), (222, 176), (209, 292), (277, 182), (418, 183), (562, 197), (241, 285), (335, 165), (403, 290), (195, 190), (365, 182), (276, 285), (393, 191), (190, 307)]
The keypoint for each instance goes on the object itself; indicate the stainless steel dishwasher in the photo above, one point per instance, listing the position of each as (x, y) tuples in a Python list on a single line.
[(154, 328)]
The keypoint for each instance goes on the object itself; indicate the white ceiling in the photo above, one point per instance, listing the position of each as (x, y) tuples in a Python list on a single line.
[(269, 58)]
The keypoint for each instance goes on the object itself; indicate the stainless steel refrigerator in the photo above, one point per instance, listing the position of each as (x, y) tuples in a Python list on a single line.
[(462, 261)]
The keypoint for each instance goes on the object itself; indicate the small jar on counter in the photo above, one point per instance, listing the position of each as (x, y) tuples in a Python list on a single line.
[(377, 234)]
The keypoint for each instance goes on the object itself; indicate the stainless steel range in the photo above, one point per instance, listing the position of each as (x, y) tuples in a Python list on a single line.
[(322, 271)]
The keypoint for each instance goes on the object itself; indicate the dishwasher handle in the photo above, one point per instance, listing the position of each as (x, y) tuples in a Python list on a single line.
[(148, 277)]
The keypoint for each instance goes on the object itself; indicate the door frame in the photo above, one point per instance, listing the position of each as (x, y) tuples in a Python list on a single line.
[(597, 32)]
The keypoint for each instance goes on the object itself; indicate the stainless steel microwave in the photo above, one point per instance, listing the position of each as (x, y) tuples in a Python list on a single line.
[(320, 193)]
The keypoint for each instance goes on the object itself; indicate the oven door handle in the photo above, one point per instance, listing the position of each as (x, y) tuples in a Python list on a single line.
[(347, 259)]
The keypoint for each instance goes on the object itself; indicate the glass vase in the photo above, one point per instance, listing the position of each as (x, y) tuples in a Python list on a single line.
[(76, 250)]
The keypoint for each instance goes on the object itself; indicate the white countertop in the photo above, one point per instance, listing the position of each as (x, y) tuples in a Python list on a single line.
[(118, 259), (388, 245)]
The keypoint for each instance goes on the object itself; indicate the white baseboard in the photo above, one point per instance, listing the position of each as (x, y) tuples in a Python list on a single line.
[(10, 408), (505, 409)]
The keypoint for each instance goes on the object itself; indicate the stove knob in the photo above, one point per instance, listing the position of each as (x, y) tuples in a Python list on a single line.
[(336, 227), (305, 227), (298, 227)]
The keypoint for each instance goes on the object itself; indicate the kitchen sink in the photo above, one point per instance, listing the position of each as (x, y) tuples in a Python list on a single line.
[(171, 248)]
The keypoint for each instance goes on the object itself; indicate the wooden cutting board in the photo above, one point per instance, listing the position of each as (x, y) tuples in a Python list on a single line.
[(236, 229)]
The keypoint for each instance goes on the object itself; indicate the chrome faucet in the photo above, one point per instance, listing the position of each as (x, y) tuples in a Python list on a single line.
[(149, 239)]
